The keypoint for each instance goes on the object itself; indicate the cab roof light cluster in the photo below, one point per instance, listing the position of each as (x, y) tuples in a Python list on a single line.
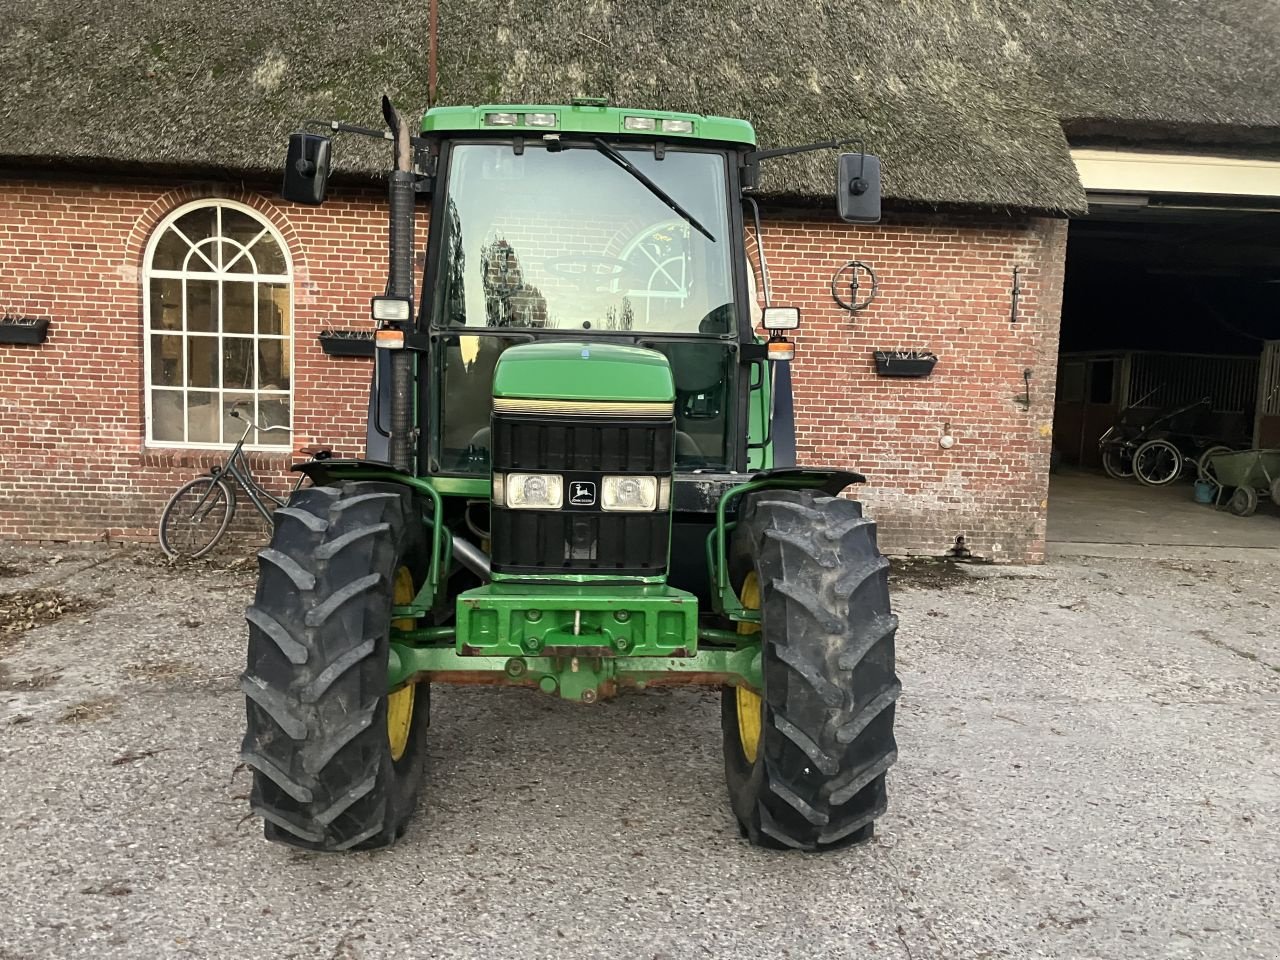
[(499, 119), (646, 124)]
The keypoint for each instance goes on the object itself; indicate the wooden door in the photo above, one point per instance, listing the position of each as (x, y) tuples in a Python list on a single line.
[(1266, 433)]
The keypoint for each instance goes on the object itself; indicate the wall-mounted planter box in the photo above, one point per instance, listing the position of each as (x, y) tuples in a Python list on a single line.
[(904, 363), (347, 343), (24, 331)]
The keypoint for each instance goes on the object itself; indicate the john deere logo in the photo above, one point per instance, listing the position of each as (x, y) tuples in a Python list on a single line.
[(582, 493)]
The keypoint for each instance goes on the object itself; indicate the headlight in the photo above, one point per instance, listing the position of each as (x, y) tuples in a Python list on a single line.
[(636, 494), (391, 309), (533, 491)]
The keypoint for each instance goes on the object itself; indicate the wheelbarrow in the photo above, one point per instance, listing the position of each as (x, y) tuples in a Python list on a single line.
[(1250, 472)]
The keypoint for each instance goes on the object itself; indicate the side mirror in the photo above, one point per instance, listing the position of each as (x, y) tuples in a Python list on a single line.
[(858, 188), (306, 168)]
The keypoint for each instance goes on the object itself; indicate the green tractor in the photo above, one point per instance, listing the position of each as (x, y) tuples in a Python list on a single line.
[(580, 476)]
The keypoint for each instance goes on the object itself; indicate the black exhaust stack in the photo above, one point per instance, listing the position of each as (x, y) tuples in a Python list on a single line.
[(400, 284)]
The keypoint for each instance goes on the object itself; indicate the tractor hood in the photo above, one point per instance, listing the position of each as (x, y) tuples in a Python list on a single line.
[(590, 371)]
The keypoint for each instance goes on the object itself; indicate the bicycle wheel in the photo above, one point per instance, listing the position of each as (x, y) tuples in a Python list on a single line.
[(1117, 462), (1157, 463), (196, 517)]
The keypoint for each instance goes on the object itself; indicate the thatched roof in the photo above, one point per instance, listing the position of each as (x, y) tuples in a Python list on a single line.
[(965, 101), (1180, 70)]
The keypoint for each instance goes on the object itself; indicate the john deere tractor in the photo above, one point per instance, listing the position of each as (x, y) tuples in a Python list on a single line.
[(579, 477)]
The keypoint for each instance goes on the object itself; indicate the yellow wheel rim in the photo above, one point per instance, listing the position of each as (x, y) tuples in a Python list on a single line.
[(750, 706), (400, 703)]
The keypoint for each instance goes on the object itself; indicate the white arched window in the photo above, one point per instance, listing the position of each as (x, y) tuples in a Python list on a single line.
[(219, 308)]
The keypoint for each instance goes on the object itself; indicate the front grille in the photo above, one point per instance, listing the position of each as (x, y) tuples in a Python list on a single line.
[(557, 446), (580, 539)]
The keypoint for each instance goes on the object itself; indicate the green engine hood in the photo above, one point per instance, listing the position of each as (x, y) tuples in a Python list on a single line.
[(597, 371)]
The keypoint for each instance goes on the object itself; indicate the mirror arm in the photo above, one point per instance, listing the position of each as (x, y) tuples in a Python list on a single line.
[(338, 127), (751, 160), (755, 156)]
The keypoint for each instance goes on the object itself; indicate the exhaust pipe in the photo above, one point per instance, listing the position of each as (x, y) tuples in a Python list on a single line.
[(400, 284), (472, 557)]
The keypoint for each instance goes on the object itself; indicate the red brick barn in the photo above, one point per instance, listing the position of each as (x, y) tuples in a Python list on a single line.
[(139, 213)]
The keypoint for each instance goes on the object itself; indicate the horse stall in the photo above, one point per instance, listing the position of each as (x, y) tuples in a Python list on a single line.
[(1097, 389)]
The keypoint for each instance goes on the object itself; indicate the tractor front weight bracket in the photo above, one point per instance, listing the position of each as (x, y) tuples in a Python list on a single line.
[(582, 677), (515, 619)]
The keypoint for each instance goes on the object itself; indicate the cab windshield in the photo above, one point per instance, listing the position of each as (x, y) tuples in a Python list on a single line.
[(569, 240)]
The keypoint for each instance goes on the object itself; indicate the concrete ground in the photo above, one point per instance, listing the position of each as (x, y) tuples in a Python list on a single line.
[(1092, 515), (1089, 769)]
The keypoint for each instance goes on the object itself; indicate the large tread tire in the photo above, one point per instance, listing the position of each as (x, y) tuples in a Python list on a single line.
[(316, 682), (826, 738)]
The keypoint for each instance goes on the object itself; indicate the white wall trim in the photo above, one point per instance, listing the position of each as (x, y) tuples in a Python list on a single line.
[(148, 272), (1126, 171)]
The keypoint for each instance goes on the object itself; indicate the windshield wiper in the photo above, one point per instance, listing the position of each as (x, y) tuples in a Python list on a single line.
[(656, 190)]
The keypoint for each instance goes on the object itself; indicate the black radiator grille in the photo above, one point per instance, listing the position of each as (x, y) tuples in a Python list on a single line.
[(528, 443), (575, 539), (547, 541)]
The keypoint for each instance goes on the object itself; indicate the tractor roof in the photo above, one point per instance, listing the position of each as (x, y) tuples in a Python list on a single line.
[(584, 116)]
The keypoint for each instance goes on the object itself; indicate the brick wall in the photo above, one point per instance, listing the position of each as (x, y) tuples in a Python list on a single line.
[(71, 411), (944, 286), (76, 466)]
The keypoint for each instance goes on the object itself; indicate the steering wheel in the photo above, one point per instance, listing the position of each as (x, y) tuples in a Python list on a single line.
[(564, 266)]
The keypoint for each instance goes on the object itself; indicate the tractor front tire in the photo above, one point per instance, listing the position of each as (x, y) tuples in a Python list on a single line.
[(330, 772), (806, 761)]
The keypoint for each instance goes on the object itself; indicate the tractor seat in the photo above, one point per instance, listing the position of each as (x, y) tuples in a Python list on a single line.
[(686, 447)]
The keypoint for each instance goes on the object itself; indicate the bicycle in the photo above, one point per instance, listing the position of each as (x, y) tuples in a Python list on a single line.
[(1154, 451), (199, 513)]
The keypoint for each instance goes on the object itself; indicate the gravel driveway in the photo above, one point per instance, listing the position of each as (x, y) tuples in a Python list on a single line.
[(1088, 769)]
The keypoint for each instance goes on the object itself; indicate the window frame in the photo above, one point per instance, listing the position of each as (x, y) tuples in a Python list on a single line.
[(433, 292), (150, 273)]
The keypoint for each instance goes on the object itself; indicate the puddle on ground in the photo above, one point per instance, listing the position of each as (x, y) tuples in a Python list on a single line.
[(927, 574)]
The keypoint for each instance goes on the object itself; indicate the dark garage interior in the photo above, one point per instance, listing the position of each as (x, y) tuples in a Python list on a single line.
[(1170, 318)]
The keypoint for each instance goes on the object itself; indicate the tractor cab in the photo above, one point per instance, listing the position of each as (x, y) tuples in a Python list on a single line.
[(585, 224)]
